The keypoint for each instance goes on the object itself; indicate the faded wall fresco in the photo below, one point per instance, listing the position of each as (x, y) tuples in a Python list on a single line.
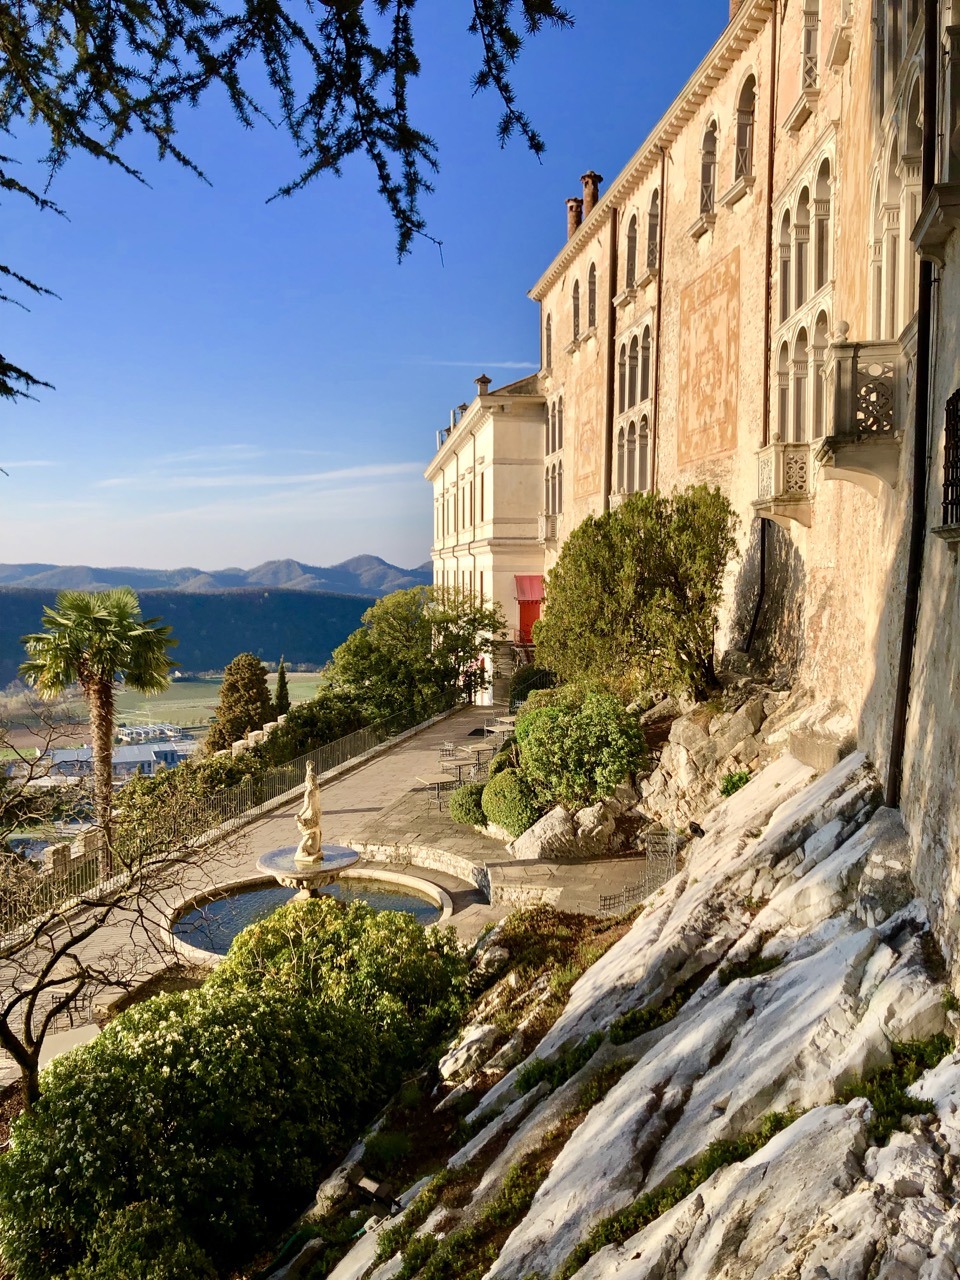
[(709, 362)]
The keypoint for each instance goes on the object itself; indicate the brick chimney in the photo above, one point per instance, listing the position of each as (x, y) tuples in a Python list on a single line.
[(574, 215), (483, 383), (591, 189)]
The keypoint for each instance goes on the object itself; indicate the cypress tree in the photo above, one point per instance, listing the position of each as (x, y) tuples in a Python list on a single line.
[(244, 703), (281, 699)]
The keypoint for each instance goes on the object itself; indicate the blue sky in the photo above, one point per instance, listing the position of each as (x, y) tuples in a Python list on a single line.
[(237, 380)]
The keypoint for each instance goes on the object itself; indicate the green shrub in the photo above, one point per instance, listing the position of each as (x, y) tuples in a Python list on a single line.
[(330, 715), (508, 757), (580, 747), (885, 1088), (526, 679), (753, 968), (145, 1241), (465, 805), (558, 1070), (730, 783), (509, 802), (407, 981), (384, 1150), (221, 1108), (222, 1105)]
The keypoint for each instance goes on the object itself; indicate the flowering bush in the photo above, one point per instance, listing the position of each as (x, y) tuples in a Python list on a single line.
[(409, 983), (220, 1105), (216, 1109)]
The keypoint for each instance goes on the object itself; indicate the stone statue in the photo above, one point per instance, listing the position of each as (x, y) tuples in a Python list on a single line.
[(308, 819)]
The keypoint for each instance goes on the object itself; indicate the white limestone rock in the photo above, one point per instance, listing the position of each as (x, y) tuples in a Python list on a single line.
[(470, 1051), (552, 836)]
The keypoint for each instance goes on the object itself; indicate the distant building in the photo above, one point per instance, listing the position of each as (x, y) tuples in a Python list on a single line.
[(144, 758), (148, 732)]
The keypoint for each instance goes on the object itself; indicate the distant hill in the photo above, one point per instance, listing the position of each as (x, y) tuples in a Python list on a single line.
[(212, 626), (359, 576)]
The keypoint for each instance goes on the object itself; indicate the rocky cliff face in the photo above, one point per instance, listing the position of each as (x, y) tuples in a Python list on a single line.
[(785, 963)]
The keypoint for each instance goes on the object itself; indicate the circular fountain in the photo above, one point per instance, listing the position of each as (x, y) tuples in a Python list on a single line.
[(311, 865)]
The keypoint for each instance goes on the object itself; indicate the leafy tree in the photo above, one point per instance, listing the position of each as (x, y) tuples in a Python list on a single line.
[(244, 702), (95, 639), (579, 747), (328, 716), (418, 651), (340, 73), (281, 695), (635, 592)]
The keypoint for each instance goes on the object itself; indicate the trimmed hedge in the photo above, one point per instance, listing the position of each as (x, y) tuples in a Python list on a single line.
[(509, 802), (466, 806)]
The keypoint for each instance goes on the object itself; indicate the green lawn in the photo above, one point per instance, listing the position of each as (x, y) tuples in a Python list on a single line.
[(194, 701)]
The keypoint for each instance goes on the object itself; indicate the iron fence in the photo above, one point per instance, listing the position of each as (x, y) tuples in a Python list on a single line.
[(660, 866)]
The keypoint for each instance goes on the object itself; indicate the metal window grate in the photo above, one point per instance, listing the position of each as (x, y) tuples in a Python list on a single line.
[(951, 462)]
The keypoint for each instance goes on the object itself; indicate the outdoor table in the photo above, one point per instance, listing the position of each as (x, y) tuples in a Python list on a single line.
[(477, 754), (448, 766), (437, 784)]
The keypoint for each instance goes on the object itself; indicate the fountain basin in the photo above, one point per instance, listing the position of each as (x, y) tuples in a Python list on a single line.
[(203, 926), (308, 877)]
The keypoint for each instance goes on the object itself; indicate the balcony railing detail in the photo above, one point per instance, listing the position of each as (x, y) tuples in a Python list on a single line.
[(951, 463), (866, 394), (546, 528), (783, 482)]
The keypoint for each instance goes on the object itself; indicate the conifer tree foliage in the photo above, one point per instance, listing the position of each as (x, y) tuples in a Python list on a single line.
[(635, 592), (244, 702), (281, 696), (334, 75)]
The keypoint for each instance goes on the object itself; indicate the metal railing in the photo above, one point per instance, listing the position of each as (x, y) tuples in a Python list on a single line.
[(951, 462), (28, 893), (660, 866)]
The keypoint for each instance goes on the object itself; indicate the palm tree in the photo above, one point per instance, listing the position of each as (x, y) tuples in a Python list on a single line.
[(93, 639)]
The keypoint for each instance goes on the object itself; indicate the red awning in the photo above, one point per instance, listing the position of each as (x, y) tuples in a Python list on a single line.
[(529, 586)]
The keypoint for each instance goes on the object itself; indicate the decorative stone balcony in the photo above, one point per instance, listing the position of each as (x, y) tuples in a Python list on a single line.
[(865, 398), (547, 529), (783, 483)]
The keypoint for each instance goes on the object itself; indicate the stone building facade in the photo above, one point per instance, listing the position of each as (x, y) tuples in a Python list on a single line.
[(744, 306)]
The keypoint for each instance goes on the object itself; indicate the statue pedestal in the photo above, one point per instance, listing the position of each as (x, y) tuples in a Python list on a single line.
[(308, 877)]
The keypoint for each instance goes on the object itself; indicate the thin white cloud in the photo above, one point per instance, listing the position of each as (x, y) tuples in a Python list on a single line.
[(28, 462), (243, 480), (478, 364)]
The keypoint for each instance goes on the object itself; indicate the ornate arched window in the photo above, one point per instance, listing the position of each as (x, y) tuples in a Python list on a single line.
[(633, 361), (631, 458), (631, 276), (622, 379), (553, 428), (643, 445), (893, 296), (621, 461), (820, 340), (785, 267), (576, 310), (811, 40), (546, 491), (800, 378), (553, 488), (548, 344), (821, 219), (546, 432), (592, 297), (645, 364), (783, 393), (560, 423), (653, 232), (708, 170), (746, 115), (801, 249), (559, 488)]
